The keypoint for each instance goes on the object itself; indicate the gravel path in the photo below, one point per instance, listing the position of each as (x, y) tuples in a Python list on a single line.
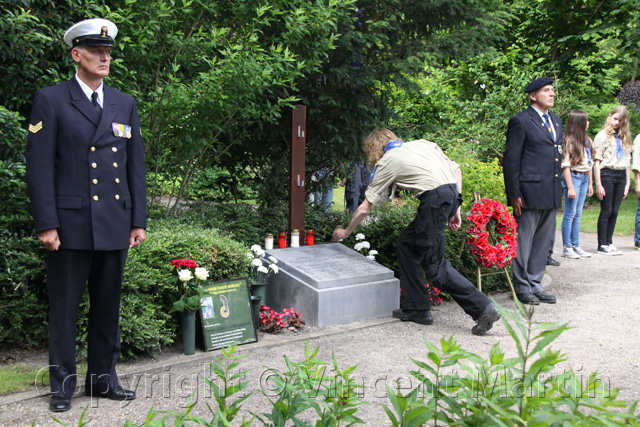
[(598, 296)]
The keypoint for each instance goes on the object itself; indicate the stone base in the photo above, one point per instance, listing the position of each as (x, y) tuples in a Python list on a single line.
[(331, 285)]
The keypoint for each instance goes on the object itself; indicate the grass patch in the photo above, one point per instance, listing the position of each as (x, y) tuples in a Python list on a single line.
[(18, 377), (625, 225), (338, 199)]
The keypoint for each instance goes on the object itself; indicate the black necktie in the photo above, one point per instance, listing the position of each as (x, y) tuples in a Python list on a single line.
[(94, 101)]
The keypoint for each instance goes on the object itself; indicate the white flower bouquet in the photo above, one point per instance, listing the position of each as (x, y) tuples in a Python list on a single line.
[(364, 247), (189, 284), (260, 272)]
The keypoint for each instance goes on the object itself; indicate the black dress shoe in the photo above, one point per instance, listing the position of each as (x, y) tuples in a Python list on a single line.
[(59, 404), (116, 394), (485, 321), (528, 299), (546, 298), (551, 261), (422, 317)]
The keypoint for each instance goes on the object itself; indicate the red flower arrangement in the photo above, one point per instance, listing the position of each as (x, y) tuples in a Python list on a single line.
[(434, 295), (484, 214), (183, 263), (272, 321)]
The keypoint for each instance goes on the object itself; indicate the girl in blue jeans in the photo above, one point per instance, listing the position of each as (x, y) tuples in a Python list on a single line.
[(576, 181)]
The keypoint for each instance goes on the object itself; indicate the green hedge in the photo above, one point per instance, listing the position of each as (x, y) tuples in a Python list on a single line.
[(149, 285), (216, 236), (148, 290), (249, 223)]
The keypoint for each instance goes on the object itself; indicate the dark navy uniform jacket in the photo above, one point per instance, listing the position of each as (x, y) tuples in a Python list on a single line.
[(532, 161), (85, 171)]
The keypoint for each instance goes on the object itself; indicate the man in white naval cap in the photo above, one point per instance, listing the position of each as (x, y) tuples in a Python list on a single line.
[(86, 181)]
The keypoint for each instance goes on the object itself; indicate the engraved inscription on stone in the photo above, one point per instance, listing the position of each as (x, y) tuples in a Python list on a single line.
[(326, 265), (332, 284)]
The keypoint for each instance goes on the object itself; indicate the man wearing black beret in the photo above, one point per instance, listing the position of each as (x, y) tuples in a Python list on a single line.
[(86, 181), (532, 175)]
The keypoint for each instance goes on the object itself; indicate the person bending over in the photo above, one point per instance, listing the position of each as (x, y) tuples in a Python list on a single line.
[(421, 166)]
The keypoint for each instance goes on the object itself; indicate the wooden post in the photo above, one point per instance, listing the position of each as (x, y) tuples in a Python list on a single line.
[(297, 167)]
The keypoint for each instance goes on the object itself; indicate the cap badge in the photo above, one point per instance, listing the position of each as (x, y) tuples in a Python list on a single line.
[(103, 32)]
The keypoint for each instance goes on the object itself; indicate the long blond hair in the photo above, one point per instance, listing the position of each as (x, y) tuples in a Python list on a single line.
[(623, 130), (374, 144)]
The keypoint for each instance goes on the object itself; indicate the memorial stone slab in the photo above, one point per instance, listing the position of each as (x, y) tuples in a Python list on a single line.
[(331, 284)]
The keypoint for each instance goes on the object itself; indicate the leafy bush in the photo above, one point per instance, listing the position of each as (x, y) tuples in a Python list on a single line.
[(15, 214), (454, 388), (496, 391), (148, 288), (478, 176), (23, 297), (249, 223), (23, 293), (629, 95), (217, 184)]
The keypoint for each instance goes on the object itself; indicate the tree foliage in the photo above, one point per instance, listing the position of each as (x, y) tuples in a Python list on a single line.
[(381, 44), (586, 46)]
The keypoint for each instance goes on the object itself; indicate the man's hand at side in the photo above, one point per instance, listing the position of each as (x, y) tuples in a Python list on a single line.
[(50, 239), (455, 221), (516, 204), (136, 237)]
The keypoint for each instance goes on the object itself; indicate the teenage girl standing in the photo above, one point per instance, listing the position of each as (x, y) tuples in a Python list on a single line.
[(577, 182), (612, 157)]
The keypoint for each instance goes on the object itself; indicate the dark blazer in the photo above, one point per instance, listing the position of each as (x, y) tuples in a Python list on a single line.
[(532, 161), (85, 172)]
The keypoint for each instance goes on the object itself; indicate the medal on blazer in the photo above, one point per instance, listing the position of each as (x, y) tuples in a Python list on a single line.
[(121, 131), (548, 128)]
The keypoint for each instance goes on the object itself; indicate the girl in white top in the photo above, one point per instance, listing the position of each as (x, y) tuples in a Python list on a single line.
[(611, 161), (576, 181)]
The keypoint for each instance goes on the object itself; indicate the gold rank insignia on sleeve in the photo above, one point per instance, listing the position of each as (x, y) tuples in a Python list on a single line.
[(35, 128)]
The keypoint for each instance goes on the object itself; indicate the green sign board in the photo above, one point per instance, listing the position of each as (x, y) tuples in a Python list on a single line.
[(226, 314)]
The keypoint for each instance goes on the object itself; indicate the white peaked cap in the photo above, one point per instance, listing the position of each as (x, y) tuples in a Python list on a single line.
[(92, 32)]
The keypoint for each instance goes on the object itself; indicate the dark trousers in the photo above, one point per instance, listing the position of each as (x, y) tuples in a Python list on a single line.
[(613, 182), (68, 272), (357, 183), (535, 230), (420, 250)]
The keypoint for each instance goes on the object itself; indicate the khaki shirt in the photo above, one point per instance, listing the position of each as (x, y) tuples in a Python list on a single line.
[(605, 151), (416, 166), (636, 154), (583, 166)]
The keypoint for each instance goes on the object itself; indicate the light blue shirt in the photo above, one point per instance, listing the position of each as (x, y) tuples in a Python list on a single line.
[(553, 127)]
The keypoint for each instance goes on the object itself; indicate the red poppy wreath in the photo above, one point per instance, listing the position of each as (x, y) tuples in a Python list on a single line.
[(491, 222)]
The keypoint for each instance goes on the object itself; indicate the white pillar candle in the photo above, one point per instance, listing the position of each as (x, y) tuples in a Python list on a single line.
[(268, 241), (295, 238)]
